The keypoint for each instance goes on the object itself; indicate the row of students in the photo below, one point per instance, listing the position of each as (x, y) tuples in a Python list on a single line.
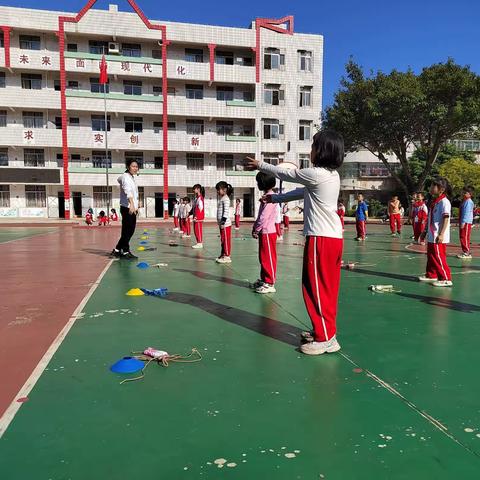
[(102, 218)]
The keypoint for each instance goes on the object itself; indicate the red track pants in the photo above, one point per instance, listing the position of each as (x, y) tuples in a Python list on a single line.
[(267, 255), (437, 266), (187, 227), (361, 228), (286, 221), (278, 228), (465, 234), (175, 222), (395, 221), (198, 230), (322, 257), (418, 228), (237, 221), (226, 239)]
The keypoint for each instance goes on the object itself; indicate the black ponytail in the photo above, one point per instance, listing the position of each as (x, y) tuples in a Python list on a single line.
[(202, 189), (226, 186)]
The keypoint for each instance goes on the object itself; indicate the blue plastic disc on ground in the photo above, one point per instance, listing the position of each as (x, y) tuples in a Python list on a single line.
[(127, 365), (143, 265), (144, 243)]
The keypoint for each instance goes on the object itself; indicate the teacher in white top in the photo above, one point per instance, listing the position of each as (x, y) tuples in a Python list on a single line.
[(128, 209)]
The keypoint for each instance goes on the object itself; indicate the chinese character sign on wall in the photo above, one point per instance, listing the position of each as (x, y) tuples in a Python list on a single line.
[(28, 137)]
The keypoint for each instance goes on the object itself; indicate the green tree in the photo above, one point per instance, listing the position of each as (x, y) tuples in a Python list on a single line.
[(402, 111), (461, 173)]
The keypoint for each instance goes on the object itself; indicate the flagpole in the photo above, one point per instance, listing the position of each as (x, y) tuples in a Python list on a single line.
[(106, 140)]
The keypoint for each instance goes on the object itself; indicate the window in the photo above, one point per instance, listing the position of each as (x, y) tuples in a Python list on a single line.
[(157, 90), (3, 118), (135, 157), (2, 80), (304, 160), (305, 61), (134, 124), (72, 47), (157, 53), (31, 81), (32, 119), (98, 123), (72, 85), (29, 42), (273, 59), (74, 121), (272, 158), (224, 58), (99, 159), (224, 127), (35, 196), (3, 157), (5, 196), (224, 93), (141, 197), (75, 158), (102, 197), (274, 95), (305, 96), (194, 161), (60, 160), (194, 55), (2, 42), (248, 96), (98, 47), (131, 50), (373, 170), (158, 163), (246, 61), (97, 87), (305, 130), (132, 87), (195, 127), (158, 127), (58, 123), (194, 92), (272, 129), (33, 157), (56, 85), (224, 162)]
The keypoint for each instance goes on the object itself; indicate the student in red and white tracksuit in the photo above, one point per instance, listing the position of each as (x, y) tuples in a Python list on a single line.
[(341, 213), (181, 210), (198, 214), (286, 216), (264, 229), (238, 209), (395, 216), (113, 215), (438, 236), (323, 231), (420, 217), (89, 217), (176, 223), (187, 207), (224, 192)]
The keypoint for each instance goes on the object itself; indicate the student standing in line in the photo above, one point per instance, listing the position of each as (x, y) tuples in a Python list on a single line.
[(198, 215), (420, 217), (286, 216), (176, 208), (341, 213), (224, 192), (187, 207), (238, 209), (465, 222), (323, 234), (395, 216), (361, 217)]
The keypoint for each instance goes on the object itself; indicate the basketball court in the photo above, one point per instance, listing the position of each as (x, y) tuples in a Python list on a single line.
[(400, 400)]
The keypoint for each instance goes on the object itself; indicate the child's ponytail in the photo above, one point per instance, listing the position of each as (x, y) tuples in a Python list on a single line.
[(229, 190)]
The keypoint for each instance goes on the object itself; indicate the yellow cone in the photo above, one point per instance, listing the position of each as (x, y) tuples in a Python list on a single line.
[(144, 237), (141, 249), (135, 292)]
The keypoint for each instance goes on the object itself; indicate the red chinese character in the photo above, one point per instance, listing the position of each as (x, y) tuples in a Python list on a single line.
[(195, 141), (80, 63), (46, 61), (181, 70), (99, 138), (125, 66), (24, 59), (147, 68), (134, 139), (28, 135)]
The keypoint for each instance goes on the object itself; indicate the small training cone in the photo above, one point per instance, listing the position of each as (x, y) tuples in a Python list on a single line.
[(144, 243), (144, 237), (135, 292), (141, 249), (127, 365), (143, 265)]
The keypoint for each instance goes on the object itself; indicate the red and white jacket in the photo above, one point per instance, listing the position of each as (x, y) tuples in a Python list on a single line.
[(199, 209), (420, 212)]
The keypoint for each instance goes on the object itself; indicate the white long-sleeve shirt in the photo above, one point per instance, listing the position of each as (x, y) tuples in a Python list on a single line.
[(223, 211), (128, 188), (320, 196)]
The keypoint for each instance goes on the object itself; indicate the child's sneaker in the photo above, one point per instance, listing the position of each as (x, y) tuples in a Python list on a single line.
[(197, 245), (464, 256), (280, 238), (319, 348), (265, 288), (257, 284), (307, 337), (427, 279), (443, 283), (393, 235), (224, 260)]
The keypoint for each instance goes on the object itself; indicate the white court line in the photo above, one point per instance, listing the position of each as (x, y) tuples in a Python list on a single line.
[(42, 364), (29, 236)]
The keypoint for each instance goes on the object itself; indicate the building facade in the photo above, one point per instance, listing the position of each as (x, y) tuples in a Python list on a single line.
[(188, 102)]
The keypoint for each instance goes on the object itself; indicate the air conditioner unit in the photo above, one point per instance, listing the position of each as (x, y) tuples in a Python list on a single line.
[(113, 47)]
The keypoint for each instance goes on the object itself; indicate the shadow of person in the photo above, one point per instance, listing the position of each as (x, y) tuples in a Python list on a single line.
[(209, 276), (442, 302)]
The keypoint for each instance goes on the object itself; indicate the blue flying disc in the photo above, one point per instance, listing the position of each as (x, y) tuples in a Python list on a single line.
[(143, 265), (127, 365)]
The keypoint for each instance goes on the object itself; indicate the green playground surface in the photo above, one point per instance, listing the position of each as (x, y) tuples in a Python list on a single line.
[(400, 401), (8, 234)]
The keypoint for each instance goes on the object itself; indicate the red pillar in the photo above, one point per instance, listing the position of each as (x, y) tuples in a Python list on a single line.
[(211, 47), (165, 121), (6, 44)]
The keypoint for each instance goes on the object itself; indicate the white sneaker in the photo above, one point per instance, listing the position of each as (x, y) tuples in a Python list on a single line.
[(443, 283), (198, 245), (427, 280), (265, 288), (393, 235), (224, 260), (319, 348), (464, 256), (237, 228), (257, 284), (280, 239)]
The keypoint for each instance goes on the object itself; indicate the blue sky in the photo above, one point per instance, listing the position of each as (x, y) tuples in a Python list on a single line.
[(379, 34)]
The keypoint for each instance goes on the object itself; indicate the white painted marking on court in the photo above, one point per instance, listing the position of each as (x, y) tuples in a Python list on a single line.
[(13, 408)]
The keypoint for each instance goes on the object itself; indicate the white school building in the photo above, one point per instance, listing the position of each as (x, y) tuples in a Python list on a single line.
[(188, 102)]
